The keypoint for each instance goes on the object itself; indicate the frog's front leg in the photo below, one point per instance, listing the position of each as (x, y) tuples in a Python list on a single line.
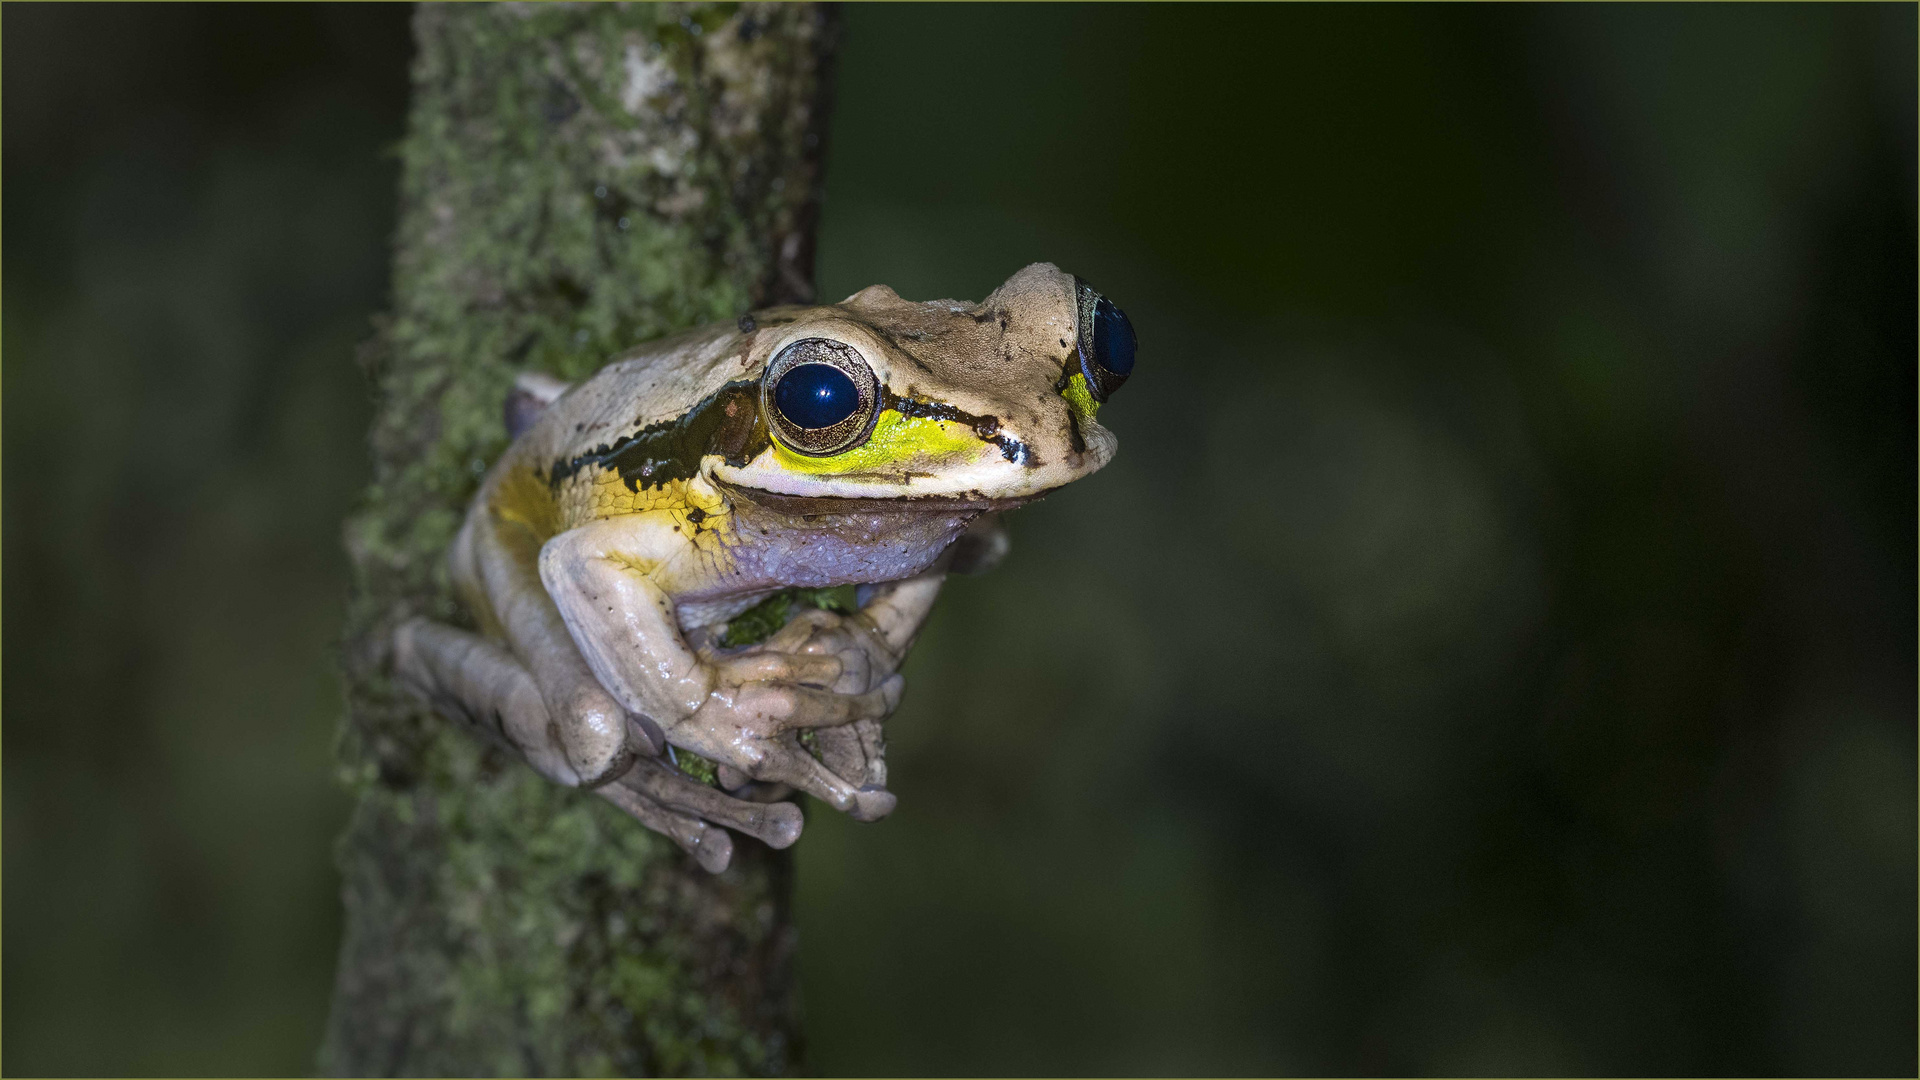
[(743, 711), (871, 644), (876, 640)]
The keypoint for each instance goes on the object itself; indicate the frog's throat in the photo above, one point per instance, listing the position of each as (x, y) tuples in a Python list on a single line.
[(815, 505)]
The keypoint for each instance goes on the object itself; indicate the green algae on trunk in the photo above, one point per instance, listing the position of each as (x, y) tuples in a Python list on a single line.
[(576, 180)]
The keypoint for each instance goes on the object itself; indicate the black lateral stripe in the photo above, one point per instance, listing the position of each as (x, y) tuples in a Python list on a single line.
[(726, 422)]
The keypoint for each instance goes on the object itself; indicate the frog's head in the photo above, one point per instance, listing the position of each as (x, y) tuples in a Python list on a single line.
[(942, 402)]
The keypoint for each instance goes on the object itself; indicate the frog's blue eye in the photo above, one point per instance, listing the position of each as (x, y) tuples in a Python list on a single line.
[(816, 396), (1112, 338), (1106, 344), (819, 396)]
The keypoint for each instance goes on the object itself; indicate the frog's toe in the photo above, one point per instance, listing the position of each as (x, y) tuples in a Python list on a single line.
[(775, 824), (785, 762), (857, 751), (709, 845)]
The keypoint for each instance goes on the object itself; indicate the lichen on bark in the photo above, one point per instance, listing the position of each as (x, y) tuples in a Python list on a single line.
[(575, 180)]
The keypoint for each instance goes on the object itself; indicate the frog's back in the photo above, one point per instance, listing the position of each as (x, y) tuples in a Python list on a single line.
[(654, 384)]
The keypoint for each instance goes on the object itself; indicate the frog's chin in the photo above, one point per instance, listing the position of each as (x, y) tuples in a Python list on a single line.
[(814, 505)]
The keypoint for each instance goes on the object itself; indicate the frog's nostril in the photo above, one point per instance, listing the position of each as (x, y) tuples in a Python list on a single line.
[(816, 396)]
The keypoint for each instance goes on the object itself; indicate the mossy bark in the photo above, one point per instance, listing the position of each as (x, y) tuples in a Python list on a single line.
[(576, 180)]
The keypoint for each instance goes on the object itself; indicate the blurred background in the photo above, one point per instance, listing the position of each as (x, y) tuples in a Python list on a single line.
[(1493, 650)]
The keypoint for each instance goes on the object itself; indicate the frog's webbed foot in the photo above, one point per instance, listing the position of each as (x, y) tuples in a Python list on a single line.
[(804, 708), (756, 727), (846, 653), (857, 751), (485, 688)]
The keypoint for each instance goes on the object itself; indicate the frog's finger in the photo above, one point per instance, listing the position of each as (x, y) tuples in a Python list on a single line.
[(709, 845), (864, 660), (862, 651), (898, 609), (784, 707), (785, 762), (775, 824), (791, 637), (764, 665)]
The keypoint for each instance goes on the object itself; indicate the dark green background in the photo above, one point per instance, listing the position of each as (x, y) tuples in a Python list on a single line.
[(1493, 649)]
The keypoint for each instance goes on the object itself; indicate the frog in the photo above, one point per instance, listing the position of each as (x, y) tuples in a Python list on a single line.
[(635, 516)]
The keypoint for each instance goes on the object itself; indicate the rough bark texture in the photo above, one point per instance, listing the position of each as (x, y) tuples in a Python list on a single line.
[(576, 180)]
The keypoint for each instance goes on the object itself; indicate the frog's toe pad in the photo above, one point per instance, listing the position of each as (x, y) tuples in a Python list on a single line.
[(713, 850), (784, 822), (871, 803)]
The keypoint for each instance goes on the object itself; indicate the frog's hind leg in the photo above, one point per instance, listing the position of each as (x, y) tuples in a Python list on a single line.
[(483, 687), (492, 561)]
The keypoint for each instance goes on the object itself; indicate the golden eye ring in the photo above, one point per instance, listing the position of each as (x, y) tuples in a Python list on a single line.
[(819, 397)]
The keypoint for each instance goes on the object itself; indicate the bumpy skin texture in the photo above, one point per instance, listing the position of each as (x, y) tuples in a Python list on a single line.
[(607, 548)]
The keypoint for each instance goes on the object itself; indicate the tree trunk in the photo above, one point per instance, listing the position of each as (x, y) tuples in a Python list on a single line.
[(576, 180)]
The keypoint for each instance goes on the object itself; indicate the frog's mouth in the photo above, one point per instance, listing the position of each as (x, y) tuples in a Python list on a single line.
[(815, 505)]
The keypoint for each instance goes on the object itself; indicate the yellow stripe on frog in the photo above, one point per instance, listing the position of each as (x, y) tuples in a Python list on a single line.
[(896, 440), (1080, 397)]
